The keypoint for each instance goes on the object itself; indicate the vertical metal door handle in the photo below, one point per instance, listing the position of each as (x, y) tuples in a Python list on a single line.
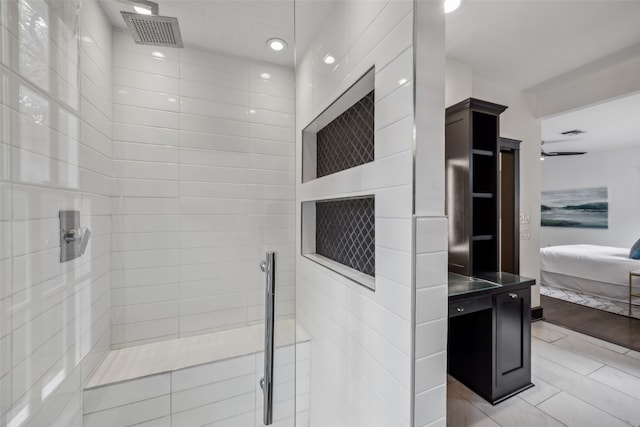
[(266, 383)]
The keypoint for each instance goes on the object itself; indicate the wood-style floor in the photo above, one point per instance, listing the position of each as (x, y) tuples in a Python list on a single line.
[(579, 381), (621, 330)]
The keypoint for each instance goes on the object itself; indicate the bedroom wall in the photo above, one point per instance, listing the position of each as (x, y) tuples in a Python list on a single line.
[(516, 122), (619, 171)]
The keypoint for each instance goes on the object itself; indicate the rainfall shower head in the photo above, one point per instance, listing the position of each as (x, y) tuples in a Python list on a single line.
[(151, 29)]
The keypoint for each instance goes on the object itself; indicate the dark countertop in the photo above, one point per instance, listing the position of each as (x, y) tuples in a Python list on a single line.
[(483, 284)]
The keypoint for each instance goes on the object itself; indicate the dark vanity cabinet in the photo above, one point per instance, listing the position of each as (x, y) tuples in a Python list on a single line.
[(489, 336), (489, 343), (513, 342)]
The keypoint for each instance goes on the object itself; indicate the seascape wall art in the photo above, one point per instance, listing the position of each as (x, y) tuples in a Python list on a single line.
[(580, 208)]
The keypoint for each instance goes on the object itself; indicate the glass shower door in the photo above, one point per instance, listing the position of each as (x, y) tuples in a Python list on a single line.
[(181, 163)]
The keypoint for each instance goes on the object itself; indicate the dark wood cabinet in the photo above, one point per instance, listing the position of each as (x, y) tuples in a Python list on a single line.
[(489, 343), (512, 341), (472, 174)]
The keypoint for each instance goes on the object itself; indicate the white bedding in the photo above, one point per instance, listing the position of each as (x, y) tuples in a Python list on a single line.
[(600, 263)]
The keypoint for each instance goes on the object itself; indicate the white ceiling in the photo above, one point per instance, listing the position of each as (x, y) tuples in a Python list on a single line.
[(522, 43), (609, 125), (534, 45), (237, 27)]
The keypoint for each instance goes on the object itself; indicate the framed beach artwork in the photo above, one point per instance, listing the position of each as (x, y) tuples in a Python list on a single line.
[(581, 208)]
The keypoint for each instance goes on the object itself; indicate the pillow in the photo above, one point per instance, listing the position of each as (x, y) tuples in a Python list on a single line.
[(635, 250)]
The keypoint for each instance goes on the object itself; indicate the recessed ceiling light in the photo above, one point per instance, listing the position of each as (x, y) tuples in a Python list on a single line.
[(142, 10), (172, 99), (265, 76), (276, 44), (451, 5), (158, 55), (402, 81), (328, 59), (252, 111)]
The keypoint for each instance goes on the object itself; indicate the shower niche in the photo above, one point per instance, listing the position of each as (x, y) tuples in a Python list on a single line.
[(339, 232), (342, 136), (340, 235)]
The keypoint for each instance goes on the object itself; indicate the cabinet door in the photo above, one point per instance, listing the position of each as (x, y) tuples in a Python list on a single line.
[(513, 341)]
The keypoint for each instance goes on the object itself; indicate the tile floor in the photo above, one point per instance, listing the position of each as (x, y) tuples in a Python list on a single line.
[(580, 381)]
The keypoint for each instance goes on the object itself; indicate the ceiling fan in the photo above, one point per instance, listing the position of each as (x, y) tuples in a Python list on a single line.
[(544, 154)]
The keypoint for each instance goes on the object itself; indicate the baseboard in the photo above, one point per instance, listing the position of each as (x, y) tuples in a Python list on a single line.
[(536, 314)]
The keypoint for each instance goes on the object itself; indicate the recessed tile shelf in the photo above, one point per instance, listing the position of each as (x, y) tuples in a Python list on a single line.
[(342, 136), (340, 235)]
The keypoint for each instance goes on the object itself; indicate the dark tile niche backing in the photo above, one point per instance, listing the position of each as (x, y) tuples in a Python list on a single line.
[(347, 141), (345, 232)]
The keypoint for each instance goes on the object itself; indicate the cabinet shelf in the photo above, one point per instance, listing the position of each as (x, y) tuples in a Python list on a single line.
[(482, 195), (482, 237), (482, 152)]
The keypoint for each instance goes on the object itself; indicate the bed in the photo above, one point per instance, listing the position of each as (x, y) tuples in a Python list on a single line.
[(597, 270)]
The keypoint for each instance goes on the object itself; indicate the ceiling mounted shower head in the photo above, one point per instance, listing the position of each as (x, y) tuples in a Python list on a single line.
[(151, 29)]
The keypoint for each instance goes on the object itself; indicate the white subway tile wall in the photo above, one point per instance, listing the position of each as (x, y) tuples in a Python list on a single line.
[(203, 157), (431, 321), (361, 341), (55, 154)]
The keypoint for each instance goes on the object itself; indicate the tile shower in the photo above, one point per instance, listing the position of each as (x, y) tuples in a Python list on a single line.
[(203, 173), (183, 169), (203, 161), (183, 166)]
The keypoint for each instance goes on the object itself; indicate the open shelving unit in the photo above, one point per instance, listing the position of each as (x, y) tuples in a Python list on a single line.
[(473, 199)]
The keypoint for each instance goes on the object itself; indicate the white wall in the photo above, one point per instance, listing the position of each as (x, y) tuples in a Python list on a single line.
[(430, 229), (517, 122), (458, 82), (588, 85), (204, 170), (619, 171), (55, 149), (361, 340)]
